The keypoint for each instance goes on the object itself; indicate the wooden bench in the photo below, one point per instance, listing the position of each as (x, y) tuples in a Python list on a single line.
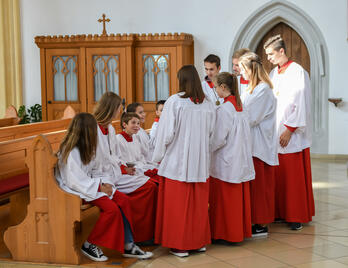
[(14, 174), (11, 117), (20, 131), (50, 231)]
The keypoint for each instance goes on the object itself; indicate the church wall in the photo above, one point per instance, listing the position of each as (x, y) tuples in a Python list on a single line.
[(213, 26)]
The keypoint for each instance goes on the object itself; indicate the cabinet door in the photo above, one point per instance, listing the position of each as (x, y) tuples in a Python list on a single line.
[(65, 85), (106, 71), (155, 78)]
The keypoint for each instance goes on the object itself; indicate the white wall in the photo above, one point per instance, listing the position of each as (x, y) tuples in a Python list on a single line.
[(213, 27)]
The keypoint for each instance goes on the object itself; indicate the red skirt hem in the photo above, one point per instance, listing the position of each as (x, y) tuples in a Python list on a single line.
[(229, 210), (182, 220)]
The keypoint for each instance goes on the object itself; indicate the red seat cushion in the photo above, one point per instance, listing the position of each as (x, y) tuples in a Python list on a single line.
[(14, 183)]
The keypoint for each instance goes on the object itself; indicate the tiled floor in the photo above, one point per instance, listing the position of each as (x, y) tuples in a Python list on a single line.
[(322, 243)]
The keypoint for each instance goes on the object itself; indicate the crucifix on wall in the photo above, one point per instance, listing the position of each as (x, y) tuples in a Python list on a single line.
[(104, 26)]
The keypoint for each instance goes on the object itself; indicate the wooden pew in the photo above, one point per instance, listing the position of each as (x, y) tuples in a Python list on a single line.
[(14, 177), (50, 230), (11, 117), (20, 131)]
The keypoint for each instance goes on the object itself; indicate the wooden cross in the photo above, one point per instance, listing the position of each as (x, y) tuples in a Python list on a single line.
[(104, 20)]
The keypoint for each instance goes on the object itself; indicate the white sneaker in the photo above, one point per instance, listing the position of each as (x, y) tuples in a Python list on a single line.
[(93, 252), (136, 252), (202, 249), (179, 253)]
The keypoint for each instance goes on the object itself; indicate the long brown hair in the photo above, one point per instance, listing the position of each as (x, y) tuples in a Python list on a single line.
[(82, 133), (252, 62), (190, 83), (106, 108), (231, 83)]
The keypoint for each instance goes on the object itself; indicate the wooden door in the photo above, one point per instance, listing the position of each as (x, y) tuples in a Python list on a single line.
[(296, 49), (65, 81), (156, 70), (106, 71)]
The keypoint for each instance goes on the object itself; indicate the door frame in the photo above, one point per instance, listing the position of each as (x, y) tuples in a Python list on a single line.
[(263, 20)]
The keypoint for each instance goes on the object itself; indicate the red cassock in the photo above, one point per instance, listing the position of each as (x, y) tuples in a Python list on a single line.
[(262, 193), (294, 193), (229, 210), (186, 227), (109, 230), (143, 203)]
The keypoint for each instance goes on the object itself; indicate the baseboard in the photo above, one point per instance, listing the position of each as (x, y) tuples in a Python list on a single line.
[(330, 156)]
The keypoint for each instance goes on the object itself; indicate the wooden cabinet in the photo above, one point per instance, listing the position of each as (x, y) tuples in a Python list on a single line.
[(76, 70)]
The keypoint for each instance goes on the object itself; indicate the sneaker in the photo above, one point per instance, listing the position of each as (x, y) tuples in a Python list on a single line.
[(202, 249), (179, 253), (93, 252), (136, 252), (259, 230), (295, 226)]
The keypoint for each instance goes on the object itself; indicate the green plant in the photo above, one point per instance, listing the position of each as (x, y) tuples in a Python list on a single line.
[(34, 114)]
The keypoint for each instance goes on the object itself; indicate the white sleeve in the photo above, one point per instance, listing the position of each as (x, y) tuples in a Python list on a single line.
[(77, 179), (221, 130), (298, 111), (260, 106), (153, 130), (165, 130)]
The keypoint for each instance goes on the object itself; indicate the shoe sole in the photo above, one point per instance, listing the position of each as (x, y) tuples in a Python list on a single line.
[(259, 235), (177, 254), (141, 257), (296, 229), (93, 258)]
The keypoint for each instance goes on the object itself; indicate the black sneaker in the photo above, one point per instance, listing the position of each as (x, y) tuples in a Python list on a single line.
[(136, 252), (93, 252), (259, 230), (295, 226)]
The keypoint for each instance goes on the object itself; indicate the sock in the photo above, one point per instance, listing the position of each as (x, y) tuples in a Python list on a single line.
[(128, 246), (86, 244)]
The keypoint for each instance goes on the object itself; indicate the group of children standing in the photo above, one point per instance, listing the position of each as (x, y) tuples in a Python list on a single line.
[(224, 158)]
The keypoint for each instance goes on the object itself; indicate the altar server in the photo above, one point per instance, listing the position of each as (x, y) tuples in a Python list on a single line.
[(242, 83), (231, 166), (294, 193), (81, 171), (260, 104), (142, 192), (182, 146), (212, 68), (142, 136)]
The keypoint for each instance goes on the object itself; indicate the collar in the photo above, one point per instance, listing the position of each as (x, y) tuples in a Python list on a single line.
[(232, 99), (281, 69), (243, 81), (197, 100), (104, 130), (126, 136), (157, 119), (209, 82)]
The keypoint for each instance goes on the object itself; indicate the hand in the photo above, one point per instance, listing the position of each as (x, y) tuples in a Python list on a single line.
[(285, 138), (130, 170), (106, 188)]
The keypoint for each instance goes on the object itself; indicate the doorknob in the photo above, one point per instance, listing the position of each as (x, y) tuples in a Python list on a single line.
[(49, 102)]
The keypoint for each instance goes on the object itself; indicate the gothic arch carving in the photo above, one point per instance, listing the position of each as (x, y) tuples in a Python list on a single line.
[(266, 17)]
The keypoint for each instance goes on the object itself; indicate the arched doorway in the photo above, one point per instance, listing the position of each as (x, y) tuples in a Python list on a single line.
[(261, 22), (296, 49)]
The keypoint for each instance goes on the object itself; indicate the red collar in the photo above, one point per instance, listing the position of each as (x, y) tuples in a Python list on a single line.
[(197, 100), (210, 83), (243, 81), (104, 130), (126, 136), (157, 119), (232, 99), (281, 69)]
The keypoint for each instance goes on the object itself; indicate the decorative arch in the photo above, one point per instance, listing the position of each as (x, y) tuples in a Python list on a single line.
[(265, 18)]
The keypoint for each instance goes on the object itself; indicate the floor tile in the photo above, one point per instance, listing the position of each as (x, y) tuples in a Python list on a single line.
[(322, 264)]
